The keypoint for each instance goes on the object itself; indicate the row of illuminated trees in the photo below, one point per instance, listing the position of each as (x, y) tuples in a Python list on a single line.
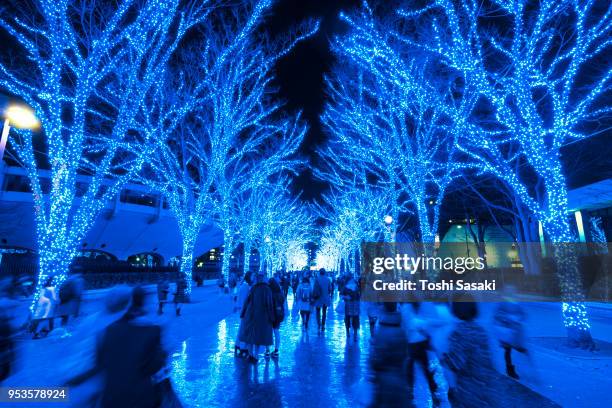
[(173, 94), (423, 96)]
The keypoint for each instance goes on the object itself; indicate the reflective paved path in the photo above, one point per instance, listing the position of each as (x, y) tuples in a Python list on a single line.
[(313, 370)]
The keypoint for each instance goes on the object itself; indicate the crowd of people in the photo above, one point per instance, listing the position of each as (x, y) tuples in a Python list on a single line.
[(403, 336), (119, 360)]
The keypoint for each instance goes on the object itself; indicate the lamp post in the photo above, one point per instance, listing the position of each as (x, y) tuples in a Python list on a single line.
[(20, 117)]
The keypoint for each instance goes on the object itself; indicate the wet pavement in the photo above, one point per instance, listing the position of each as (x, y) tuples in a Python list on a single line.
[(313, 370)]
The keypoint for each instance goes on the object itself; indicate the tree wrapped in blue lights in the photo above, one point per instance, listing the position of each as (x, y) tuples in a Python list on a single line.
[(224, 141), (355, 212), (274, 225), (390, 117), (249, 139), (88, 68), (541, 73)]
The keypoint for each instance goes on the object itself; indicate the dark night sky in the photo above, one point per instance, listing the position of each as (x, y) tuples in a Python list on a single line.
[(300, 74)]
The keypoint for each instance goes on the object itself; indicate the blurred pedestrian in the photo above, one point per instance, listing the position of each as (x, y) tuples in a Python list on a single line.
[(304, 302), (509, 323), (131, 360), (469, 358), (180, 295), (44, 309), (295, 282), (352, 306), (258, 312), (241, 348), (80, 368), (70, 295), (163, 289), (420, 319), (285, 283), (279, 313), (322, 297), (388, 355), (7, 332)]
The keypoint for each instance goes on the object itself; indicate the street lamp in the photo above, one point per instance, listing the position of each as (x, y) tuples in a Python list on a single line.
[(388, 219), (20, 117)]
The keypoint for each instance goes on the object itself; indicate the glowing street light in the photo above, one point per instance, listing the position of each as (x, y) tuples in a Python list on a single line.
[(20, 117), (388, 219)]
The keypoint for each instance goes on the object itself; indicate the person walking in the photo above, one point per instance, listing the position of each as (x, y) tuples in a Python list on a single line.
[(304, 302), (80, 370), (509, 324), (241, 348), (258, 312), (180, 295), (350, 295), (420, 319), (278, 296), (295, 282), (45, 309), (388, 355), (285, 283), (162, 295), (130, 357), (322, 298), (469, 358)]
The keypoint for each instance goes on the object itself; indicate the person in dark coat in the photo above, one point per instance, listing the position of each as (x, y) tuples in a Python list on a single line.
[(7, 344), (322, 292), (352, 306), (162, 295), (509, 324), (258, 314), (469, 358), (70, 296), (278, 296), (180, 295), (388, 355), (128, 356)]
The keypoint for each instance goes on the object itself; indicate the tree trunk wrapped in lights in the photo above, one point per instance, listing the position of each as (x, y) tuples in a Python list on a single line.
[(87, 78)]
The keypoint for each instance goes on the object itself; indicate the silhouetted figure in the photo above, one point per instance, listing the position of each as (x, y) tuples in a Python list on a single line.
[(128, 356), (304, 302), (419, 318), (285, 283), (7, 346), (80, 368), (322, 294), (45, 309), (352, 306), (163, 289), (241, 348), (469, 358), (278, 297), (180, 295), (509, 321), (70, 295), (388, 355), (258, 314)]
